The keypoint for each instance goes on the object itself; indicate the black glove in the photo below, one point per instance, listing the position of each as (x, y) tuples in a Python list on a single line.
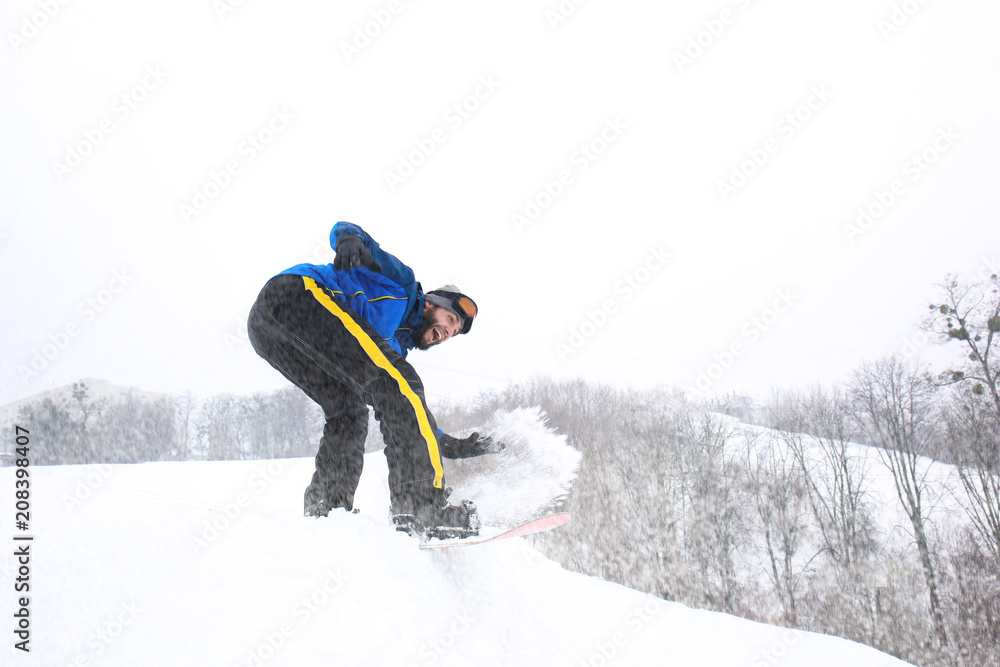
[(351, 253), (464, 448)]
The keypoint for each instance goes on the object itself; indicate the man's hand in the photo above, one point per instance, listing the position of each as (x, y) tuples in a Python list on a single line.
[(464, 448), (351, 253)]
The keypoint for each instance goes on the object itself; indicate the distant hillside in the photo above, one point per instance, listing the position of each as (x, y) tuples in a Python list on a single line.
[(96, 388)]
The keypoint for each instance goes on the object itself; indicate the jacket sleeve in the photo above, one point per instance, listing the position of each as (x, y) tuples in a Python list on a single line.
[(392, 268)]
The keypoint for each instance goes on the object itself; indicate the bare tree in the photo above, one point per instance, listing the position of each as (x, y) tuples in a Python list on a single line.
[(185, 426), (778, 488), (969, 314), (835, 477), (61, 429), (895, 406), (133, 429), (298, 422), (976, 585), (224, 428), (712, 515), (974, 439)]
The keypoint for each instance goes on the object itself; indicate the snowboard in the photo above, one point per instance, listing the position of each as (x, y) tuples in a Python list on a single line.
[(547, 522)]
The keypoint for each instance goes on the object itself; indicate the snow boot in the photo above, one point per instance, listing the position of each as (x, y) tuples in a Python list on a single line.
[(319, 501), (439, 519), (316, 503)]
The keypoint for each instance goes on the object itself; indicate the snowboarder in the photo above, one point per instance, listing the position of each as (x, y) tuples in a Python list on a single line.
[(341, 333)]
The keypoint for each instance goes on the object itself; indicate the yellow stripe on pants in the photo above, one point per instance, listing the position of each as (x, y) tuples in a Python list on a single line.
[(377, 356)]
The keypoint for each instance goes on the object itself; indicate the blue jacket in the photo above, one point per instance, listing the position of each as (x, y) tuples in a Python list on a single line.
[(391, 301)]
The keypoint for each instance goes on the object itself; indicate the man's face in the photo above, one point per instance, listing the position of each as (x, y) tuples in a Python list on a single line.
[(439, 325)]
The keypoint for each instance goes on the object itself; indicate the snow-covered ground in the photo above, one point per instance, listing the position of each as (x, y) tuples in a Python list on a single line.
[(211, 563), (943, 498)]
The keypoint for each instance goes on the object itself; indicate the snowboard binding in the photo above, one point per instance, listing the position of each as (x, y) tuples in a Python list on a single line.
[(445, 523)]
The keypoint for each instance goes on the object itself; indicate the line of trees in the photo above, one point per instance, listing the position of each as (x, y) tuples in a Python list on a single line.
[(76, 426), (73, 427)]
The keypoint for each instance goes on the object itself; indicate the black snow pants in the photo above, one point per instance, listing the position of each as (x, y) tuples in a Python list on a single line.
[(308, 334)]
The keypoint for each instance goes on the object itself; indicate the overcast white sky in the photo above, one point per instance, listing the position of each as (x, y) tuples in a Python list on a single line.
[(117, 115)]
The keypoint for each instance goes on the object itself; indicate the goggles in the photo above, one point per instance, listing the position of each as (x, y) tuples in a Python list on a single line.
[(459, 304)]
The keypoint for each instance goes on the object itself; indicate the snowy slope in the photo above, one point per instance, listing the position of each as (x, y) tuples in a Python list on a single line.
[(943, 498), (943, 501), (210, 563)]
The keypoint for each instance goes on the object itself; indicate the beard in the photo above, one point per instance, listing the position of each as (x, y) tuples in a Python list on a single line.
[(420, 335)]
